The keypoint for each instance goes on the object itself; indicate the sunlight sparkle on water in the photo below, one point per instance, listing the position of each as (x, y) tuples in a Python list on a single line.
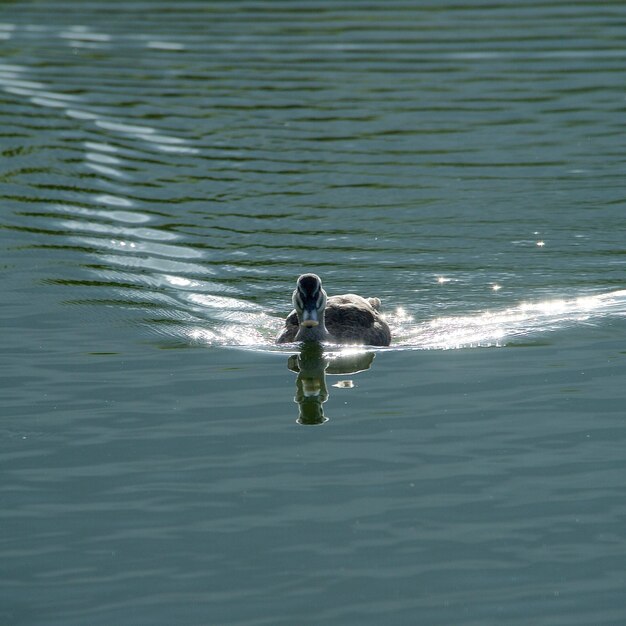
[(247, 328), (346, 351), (111, 200), (179, 281), (494, 328), (401, 315), (228, 335)]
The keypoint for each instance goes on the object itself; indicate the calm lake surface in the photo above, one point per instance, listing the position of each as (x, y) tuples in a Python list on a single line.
[(168, 169)]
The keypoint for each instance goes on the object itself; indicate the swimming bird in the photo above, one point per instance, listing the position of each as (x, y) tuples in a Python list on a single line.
[(348, 319)]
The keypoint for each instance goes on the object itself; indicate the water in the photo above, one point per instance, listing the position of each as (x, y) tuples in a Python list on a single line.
[(169, 169)]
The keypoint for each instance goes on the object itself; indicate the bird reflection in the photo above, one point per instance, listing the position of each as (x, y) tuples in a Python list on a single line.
[(312, 364)]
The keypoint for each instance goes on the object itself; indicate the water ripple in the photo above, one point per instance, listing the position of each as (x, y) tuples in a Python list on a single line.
[(179, 174)]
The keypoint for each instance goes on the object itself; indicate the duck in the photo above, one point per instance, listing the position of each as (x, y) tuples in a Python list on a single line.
[(346, 319)]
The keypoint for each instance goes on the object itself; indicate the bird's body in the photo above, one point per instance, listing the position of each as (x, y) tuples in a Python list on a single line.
[(347, 319)]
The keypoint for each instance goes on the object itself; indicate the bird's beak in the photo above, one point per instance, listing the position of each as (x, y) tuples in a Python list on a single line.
[(309, 318)]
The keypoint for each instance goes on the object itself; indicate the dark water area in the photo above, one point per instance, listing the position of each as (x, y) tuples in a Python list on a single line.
[(169, 169)]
